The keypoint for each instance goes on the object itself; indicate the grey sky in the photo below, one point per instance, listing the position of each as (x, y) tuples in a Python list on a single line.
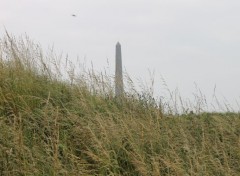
[(185, 41)]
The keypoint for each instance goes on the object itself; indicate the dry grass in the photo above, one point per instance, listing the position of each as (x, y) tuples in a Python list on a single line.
[(53, 127)]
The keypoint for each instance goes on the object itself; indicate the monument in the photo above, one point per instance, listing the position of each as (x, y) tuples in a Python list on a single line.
[(118, 72)]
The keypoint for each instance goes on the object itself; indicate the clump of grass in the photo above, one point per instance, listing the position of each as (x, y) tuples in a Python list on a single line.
[(50, 125)]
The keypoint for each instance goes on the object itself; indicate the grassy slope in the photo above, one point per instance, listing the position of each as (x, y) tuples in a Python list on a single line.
[(49, 127)]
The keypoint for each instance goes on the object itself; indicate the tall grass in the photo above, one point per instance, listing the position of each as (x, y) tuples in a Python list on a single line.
[(53, 123)]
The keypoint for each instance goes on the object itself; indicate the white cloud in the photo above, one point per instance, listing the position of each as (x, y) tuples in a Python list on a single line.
[(177, 38)]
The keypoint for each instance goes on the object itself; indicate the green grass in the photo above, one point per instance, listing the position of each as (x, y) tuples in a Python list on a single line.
[(50, 126)]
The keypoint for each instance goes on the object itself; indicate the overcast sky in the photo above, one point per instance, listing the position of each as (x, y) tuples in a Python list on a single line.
[(184, 41)]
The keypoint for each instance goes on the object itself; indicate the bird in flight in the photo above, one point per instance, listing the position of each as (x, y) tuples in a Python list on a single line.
[(73, 15)]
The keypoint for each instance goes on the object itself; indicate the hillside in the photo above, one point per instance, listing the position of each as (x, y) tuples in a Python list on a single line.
[(75, 126)]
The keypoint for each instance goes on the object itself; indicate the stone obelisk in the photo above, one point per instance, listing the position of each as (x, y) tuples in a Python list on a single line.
[(118, 72)]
